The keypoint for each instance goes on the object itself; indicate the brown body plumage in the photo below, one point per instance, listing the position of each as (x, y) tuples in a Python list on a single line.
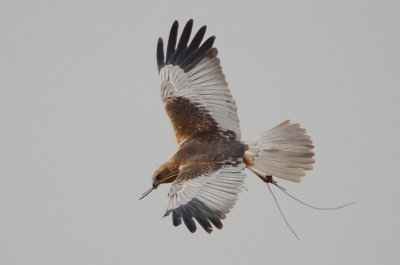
[(204, 152), (207, 171)]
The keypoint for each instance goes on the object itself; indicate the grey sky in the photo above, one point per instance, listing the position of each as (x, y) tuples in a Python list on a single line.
[(83, 129)]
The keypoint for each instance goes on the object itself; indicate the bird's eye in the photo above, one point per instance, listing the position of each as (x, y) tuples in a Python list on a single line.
[(158, 177)]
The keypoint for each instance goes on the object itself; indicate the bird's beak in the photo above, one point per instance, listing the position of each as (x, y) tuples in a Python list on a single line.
[(156, 184)]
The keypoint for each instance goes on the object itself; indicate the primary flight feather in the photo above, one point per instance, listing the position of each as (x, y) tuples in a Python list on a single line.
[(207, 172)]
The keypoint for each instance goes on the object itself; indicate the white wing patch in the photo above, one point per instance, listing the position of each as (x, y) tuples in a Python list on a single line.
[(204, 86), (217, 190)]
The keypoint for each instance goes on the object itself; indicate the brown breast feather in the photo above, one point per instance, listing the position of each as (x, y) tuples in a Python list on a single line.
[(208, 151)]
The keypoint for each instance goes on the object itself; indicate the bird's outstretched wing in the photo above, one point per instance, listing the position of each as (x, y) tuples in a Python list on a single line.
[(205, 191), (194, 91)]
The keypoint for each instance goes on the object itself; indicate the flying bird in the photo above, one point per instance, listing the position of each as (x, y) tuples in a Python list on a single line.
[(207, 172)]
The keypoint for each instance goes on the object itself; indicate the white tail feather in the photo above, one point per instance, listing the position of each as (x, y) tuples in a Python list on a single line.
[(283, 152)]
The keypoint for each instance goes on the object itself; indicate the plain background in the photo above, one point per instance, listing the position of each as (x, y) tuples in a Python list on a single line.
[(82, 130)]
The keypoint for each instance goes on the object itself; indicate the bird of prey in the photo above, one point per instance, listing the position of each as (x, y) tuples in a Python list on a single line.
[(207, 172)]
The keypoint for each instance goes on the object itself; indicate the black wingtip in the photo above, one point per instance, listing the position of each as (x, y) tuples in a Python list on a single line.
[(189, 23), (160, 53), (181, 48), (176, 218), (183, 54), (173, 35), (207, 44), (197, 39), (204, 223), (187, 30), (190, 224), (175, 24), (216, 222)]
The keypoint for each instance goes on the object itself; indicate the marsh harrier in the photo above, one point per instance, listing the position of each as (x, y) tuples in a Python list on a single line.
[(207, 172)]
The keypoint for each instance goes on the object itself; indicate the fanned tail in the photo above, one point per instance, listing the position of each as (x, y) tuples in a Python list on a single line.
[(283, 152)]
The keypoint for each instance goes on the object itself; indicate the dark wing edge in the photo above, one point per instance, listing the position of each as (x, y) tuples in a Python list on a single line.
[(186, 57), (206, 198), (160, 54)]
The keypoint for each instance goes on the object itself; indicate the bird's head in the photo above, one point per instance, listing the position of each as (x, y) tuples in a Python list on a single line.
[(162, 175)]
